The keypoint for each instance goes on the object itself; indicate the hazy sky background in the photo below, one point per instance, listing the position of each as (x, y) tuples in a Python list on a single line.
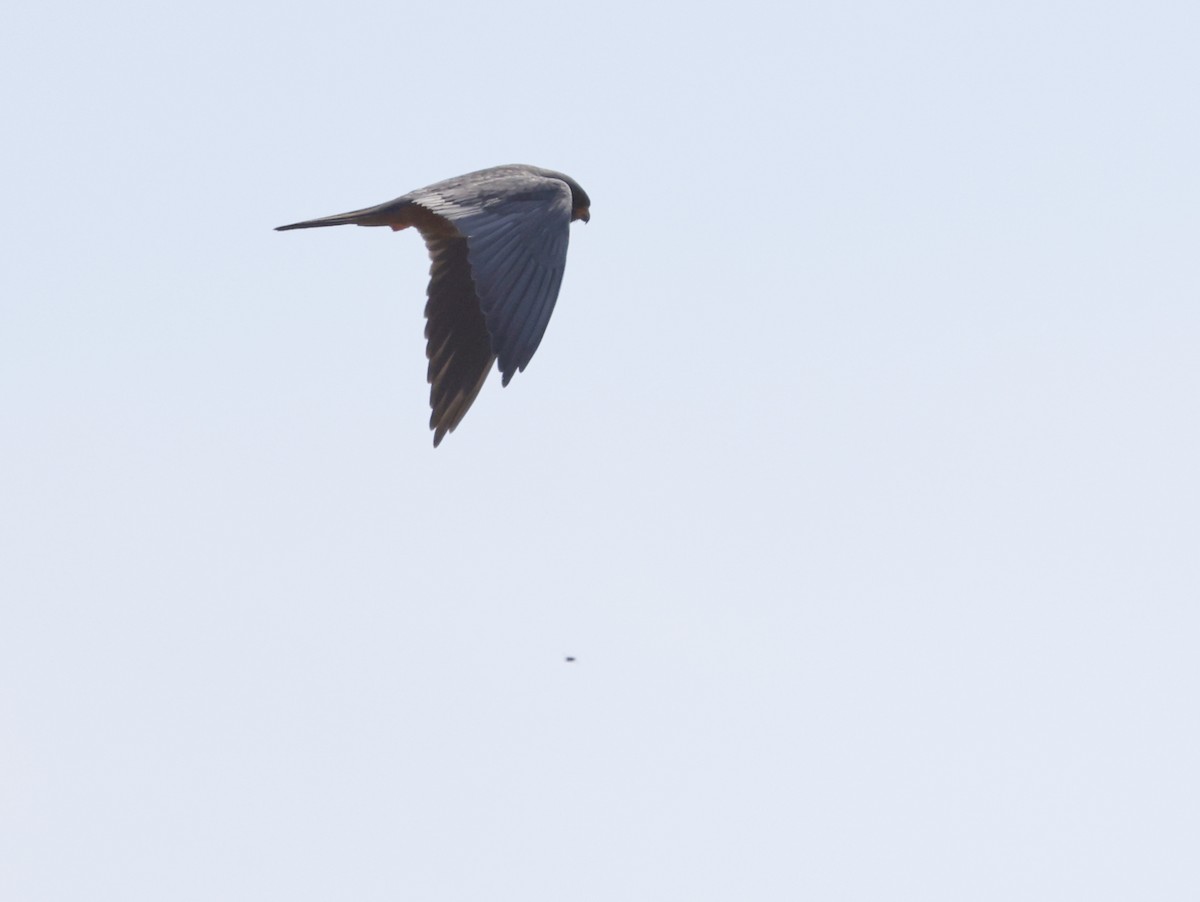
[(858, 468)]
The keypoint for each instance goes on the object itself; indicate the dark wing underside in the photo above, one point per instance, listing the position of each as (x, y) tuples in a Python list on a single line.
[(457, 343), (517, 224)]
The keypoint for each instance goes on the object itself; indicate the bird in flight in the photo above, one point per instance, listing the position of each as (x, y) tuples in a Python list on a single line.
[(498, 242)]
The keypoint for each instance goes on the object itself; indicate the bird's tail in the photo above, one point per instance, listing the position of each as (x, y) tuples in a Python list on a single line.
[(389, 214)]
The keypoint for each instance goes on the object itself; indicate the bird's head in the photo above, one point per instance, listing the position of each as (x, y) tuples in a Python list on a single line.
[(581, 204)]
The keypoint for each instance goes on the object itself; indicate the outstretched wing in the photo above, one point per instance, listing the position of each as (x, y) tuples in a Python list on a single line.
[(516, 224), (457, 343)]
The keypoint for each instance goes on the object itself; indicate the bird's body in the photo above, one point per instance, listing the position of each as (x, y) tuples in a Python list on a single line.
[(498, 242)]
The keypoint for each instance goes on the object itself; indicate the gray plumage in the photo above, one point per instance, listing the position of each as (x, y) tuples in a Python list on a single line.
[(497, 239)]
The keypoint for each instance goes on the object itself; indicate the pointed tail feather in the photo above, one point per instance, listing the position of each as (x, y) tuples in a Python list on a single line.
[(390, 214)]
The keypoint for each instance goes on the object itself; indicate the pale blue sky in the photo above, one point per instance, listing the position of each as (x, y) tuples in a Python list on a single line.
[(857, 468)]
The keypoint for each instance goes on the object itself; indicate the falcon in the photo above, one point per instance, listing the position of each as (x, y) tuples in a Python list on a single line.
[(497, 239)]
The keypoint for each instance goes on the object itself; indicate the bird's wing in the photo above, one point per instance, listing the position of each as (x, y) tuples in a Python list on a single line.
[(516, 226), (457, 343)]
